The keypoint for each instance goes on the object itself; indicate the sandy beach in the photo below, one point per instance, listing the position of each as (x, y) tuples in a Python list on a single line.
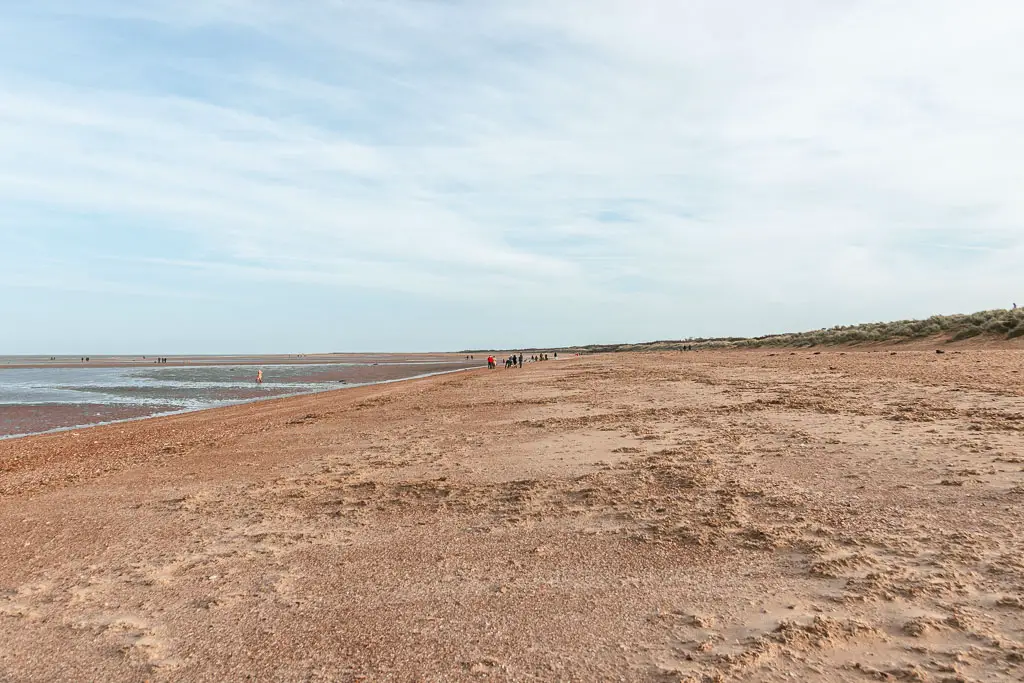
[(714, 516)]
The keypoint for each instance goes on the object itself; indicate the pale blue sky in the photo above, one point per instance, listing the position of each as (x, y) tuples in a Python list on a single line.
[(258, 176)]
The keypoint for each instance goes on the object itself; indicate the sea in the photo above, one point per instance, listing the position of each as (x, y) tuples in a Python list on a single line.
[(36, 400)]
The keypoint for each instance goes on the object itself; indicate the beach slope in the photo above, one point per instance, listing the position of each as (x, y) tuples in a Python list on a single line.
[(680, 516)]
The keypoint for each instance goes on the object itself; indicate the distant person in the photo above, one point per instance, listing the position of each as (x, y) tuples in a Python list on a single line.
[(259, 377), (520, 360)]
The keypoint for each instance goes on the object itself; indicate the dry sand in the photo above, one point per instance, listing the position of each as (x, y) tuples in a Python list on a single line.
[(705, 516)]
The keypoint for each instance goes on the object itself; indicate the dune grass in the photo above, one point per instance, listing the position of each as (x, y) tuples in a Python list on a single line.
[(993, 324)]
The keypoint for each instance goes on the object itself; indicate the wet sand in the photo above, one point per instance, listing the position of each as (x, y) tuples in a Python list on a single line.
[(362, 374), (690, 516), (35, 418)]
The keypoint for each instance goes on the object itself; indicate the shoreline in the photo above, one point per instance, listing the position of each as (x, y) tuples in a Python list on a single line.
[(34, 362), (226, 404)]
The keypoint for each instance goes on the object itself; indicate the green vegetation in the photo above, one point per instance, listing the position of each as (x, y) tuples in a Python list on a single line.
[(998, 323), (994, 324)]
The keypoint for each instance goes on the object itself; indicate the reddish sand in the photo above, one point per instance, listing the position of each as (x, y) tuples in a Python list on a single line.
[(744, 516)]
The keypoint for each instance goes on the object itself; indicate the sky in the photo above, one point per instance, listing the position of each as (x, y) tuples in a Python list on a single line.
[(344, 175)]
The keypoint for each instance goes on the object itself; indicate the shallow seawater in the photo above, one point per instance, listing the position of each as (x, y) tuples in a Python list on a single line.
[(184, 387), (34, 400)]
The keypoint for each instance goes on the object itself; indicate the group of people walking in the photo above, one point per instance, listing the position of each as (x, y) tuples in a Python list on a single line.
[(516, 361), (512, 361)]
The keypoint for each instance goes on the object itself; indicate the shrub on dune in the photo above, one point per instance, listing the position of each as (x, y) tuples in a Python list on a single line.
[(967, 333)]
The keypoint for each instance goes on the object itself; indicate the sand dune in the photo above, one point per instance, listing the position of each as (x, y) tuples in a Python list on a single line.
[(760, 515)]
